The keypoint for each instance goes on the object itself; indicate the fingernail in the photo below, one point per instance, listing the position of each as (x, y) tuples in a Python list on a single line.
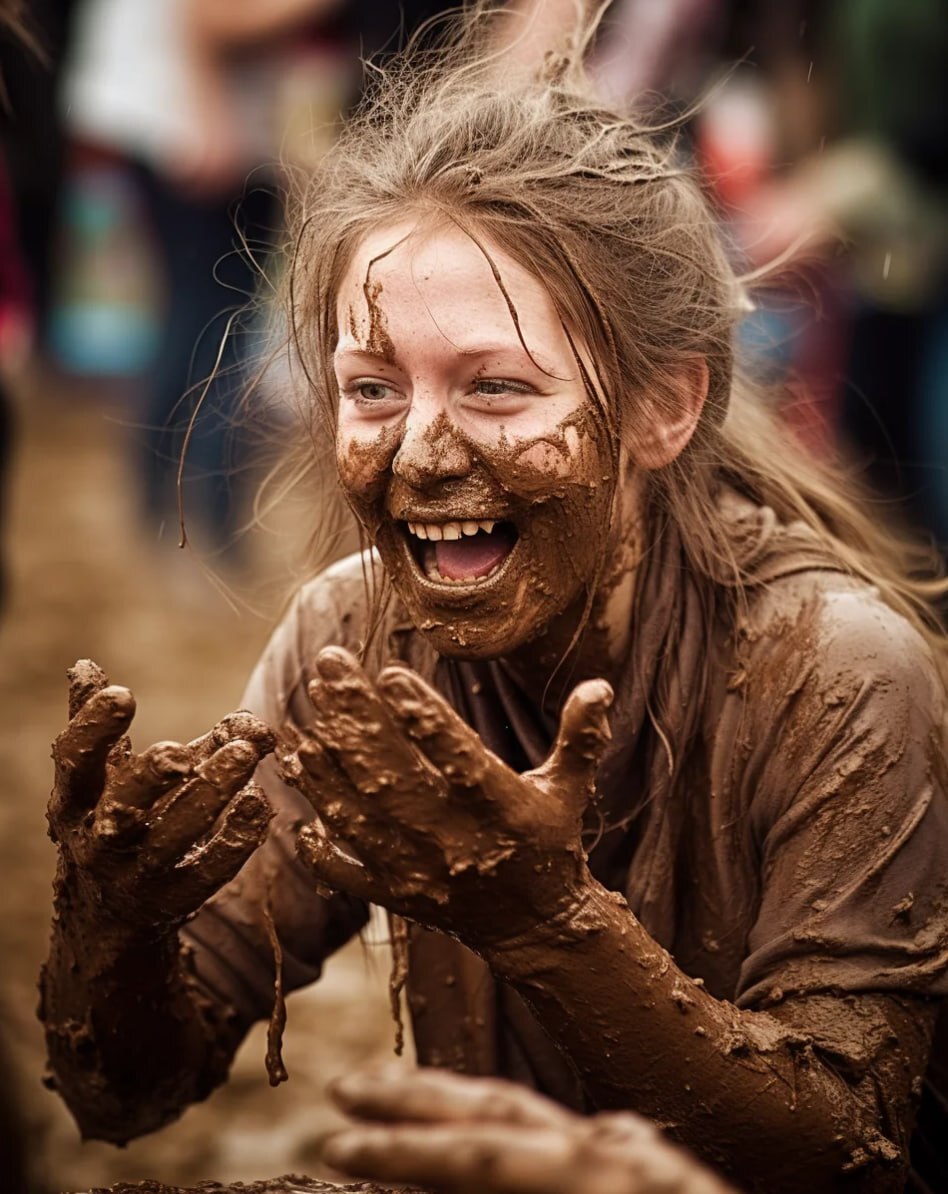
[(118, 702), (170, 758), (233, 758), (399, 682), (253, 812), (244, 724), (333, 663)]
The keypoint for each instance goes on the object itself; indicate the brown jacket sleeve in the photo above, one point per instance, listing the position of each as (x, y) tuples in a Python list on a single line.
[(849, 809)]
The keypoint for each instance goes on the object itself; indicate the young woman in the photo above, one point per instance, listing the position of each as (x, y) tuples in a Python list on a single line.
[(632, 718)]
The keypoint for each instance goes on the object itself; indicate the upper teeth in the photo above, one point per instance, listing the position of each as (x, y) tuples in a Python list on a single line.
[(449, 530)]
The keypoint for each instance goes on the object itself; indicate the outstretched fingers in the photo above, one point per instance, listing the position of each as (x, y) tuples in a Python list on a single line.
[(386, 774), (82, 749), (491, 1158), (243, 827), (312, 770), (134, 785), (440, 734), (390, 1093), (184, 817)]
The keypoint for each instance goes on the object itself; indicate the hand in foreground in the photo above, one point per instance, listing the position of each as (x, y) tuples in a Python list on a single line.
[(487, 1136), (146, 838), (416, 814)]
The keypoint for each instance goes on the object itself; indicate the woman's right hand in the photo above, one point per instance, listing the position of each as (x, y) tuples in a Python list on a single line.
[(145, 839)]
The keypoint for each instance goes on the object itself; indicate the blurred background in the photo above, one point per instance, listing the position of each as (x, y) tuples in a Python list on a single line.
[(140, 220)]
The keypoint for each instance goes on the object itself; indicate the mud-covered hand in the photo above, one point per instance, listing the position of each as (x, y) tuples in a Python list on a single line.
[(417, 815), (481, 1134), (146, 838)]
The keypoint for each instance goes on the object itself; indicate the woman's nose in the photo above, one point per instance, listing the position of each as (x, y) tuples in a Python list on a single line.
[(432, 449)]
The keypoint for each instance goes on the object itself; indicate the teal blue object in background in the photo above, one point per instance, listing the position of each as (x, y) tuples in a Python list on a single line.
[(104, 317)]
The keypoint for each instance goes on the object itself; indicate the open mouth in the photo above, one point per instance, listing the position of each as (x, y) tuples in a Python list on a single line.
[(461, 552)]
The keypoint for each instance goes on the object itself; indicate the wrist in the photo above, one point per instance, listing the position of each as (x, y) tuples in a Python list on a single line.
[(83, 906), (579, 911), (95, 939)]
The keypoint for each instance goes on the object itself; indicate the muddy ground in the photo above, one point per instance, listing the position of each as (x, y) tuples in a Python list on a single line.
[(86, 579)]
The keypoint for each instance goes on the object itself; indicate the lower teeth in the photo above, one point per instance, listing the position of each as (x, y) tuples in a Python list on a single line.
[(432, 573)]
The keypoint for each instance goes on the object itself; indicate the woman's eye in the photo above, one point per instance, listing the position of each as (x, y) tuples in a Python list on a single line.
[(493, 387), (373, 391), (370, 394)]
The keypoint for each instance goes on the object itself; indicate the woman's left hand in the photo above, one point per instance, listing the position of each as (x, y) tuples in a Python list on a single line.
[(417, 815)]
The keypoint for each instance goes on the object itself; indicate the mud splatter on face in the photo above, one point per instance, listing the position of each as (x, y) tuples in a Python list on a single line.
[(352, 325), (378, 340), (468, 444), (534, 515)]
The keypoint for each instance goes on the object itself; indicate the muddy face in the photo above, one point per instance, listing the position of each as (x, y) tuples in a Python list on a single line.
[(468, 448)]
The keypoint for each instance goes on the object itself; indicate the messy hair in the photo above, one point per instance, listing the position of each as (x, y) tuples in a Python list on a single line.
[(596, 204)]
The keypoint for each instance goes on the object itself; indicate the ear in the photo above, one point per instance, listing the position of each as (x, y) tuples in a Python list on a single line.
[(669, 425)]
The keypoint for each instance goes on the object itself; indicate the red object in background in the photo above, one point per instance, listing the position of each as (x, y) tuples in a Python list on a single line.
[(735, 141), (16, 290)]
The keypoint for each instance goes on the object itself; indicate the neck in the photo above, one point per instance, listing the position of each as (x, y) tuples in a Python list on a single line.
[(590, 639)]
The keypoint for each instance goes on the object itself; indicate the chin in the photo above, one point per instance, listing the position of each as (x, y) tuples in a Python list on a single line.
[(468, 640)]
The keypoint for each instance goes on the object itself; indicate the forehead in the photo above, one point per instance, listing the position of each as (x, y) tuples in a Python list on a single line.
[(428, 280)]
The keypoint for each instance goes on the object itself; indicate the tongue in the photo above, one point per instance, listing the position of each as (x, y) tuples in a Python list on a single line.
[(473, 555)]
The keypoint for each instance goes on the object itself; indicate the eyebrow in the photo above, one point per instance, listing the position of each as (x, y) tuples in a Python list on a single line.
[(481, 350)]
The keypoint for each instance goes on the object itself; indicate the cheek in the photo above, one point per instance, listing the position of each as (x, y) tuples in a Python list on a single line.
[(363, 457), (572, 459), (558, 457)]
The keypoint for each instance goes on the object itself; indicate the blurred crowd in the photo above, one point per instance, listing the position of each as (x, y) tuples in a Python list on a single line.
[(140, 210)]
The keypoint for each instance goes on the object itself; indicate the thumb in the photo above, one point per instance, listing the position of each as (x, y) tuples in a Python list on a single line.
[(580, 742)]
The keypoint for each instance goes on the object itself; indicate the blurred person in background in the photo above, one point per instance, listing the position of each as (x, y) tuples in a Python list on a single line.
[(856, 195), (170, 109), (830, 133), (33, 142), (886, 184), (27, 186), (742, 70)]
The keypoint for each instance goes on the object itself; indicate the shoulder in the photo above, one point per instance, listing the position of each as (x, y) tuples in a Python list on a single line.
[(829, 689), (823, 628), (338, 602), (335, 608)]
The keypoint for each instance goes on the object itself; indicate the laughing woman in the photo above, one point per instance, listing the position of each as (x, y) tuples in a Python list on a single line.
[(631, 717)]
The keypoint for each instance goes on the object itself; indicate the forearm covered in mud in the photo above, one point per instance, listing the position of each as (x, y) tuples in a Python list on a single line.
[(752, 1092), (133, 1039)]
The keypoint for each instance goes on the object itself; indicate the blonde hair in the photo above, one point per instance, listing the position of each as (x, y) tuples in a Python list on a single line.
[(597, 205)]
